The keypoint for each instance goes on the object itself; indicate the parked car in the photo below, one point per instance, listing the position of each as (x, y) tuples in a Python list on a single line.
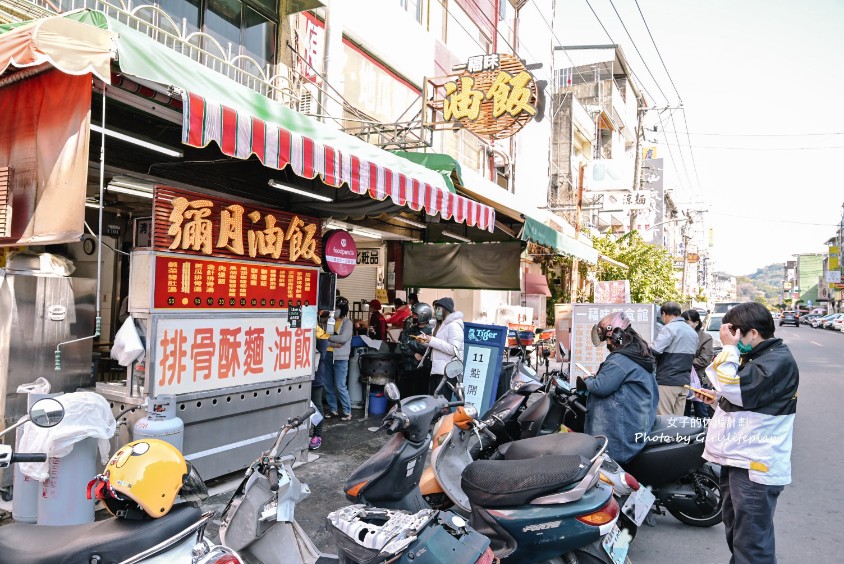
[(818, 321), (712, 325), (827, 323), (776, 314), (838, 324), (790, 318), (807, 319)]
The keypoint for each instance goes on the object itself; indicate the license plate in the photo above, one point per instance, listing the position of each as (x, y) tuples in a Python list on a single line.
[(615, 547), (638, 504)]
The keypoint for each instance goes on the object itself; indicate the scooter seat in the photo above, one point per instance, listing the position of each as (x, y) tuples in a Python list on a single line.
[(507, 483), (111, 540), (579, 444)]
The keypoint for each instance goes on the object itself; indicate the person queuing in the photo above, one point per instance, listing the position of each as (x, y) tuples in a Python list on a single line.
[(674, 349), (377, 322), (415, 364), (750, 436), (400, 315), (623, 395), (446, 342), (702, 359), (336, 373)]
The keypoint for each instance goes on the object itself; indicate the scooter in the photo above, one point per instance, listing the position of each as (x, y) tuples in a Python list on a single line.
[(174, 537), (260, 525), (530, 512)]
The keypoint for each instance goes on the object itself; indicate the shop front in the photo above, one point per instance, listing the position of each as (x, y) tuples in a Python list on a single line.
[(205, 204)]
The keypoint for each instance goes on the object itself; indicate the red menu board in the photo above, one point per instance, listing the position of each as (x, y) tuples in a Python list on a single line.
[(196, 283)]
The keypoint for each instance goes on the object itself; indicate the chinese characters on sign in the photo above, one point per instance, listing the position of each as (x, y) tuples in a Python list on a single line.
[(196, 283), (495, 97), (584, 316), (484, 345), (367, 256), (612, 292), (194, 355), (210, 226)]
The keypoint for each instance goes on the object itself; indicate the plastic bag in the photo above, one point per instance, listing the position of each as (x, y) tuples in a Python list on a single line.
[(40, 386), (86, 415), (127, 346)]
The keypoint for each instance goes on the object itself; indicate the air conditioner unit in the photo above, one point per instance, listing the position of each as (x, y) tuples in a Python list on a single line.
[(309, 100)]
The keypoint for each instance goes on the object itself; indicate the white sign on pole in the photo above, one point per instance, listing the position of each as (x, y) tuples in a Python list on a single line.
[(194, 355), (642, 317)]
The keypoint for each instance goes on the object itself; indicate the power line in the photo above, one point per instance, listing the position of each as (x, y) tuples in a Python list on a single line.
[(647, 68), (680, 147), (657, 52), (557, 39), (726, 148), (831, 133), (692, 153), (670, 153), (775, 219)]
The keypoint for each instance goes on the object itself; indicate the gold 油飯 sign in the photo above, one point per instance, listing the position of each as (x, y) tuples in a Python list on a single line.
[(210, 226), (493, 98)]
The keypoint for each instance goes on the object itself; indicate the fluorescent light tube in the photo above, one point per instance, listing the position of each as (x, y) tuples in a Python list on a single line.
[(293, 190), (365, 233), (139, 142), (456, 236), (94, 205), (417, 224), (129, 189)]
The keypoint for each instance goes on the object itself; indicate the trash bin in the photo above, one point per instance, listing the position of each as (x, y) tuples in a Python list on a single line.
[(378, 369), (377, 403)]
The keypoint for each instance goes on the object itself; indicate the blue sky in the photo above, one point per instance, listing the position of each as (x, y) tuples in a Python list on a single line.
[(755, 78)]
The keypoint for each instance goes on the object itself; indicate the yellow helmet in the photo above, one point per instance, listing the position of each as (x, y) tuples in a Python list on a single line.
[(143, 479)]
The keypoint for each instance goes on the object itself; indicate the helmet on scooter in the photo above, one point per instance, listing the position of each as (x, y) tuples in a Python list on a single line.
[(143, 478), (610, 327), (423, 312)]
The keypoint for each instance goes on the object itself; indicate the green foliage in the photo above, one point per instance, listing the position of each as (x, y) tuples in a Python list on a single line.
[(651, 270)]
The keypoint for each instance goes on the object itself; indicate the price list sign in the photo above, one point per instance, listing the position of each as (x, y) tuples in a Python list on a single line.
[(482, 351), (183, 282), (585, 316)]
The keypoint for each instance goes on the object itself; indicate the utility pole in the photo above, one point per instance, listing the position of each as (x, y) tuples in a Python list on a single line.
[(637, 163), (575, 264)]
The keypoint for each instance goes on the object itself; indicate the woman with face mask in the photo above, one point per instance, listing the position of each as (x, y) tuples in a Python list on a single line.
[(703, 357), (446, 342), (336, 374)]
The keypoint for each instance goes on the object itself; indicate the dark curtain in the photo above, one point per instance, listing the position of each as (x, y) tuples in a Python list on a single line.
[(480, 266)]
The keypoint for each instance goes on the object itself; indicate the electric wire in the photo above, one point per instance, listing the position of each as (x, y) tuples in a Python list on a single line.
[(680, 150), (831, 133), (647, 27)]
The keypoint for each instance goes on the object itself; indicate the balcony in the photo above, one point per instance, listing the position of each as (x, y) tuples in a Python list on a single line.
[(277, 82)]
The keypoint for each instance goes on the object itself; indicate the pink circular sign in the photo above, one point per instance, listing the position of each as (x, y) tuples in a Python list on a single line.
[(339, 252)]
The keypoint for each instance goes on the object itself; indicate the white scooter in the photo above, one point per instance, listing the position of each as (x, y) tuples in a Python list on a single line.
[(174, 538)]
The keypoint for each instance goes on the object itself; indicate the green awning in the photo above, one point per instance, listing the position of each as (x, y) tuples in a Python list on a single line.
[(439, 162), (543, 235)]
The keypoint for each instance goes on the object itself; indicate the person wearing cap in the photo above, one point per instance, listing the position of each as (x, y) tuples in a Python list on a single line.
[(623, 395), (377, 323), (400, 315), (446, 342)]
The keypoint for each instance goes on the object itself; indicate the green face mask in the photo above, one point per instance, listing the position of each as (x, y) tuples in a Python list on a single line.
[(744, 349)]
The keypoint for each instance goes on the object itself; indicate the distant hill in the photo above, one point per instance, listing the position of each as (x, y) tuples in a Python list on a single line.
[(763, 285)]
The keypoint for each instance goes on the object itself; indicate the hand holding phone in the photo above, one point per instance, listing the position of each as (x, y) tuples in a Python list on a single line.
[(583, 369), (708, 394)]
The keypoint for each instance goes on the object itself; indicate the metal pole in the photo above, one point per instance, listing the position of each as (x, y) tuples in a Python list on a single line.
[(575, 265)]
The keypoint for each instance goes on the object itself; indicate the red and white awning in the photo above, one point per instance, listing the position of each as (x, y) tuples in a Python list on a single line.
[(240, 135)]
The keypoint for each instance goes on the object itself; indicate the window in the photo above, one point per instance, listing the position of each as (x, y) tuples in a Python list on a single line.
[(413, 7)]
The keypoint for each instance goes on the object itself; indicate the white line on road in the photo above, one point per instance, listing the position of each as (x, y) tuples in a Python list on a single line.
[(814, 343)]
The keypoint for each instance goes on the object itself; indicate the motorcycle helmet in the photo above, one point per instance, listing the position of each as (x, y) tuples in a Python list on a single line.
[(423, 312), (342, 304), (143, 478), (610, 327)]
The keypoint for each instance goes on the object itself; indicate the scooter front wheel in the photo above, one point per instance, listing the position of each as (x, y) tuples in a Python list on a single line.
[(709, 502)]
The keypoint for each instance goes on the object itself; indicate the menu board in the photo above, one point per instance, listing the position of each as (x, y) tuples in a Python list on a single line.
[(185, 282), (584, 316)]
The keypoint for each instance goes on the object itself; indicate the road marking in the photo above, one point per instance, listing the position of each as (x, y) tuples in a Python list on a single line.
[(814, 343)]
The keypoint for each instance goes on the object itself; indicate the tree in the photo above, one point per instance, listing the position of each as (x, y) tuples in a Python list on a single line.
[(651, 270)]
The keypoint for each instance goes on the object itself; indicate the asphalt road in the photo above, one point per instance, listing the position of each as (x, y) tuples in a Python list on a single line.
[(807, 523)]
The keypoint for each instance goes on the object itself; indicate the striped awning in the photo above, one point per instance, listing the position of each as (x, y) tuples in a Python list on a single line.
[(240, 135)]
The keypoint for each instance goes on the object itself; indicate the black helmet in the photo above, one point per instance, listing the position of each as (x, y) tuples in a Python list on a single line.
[(342, 304), (423, 312)]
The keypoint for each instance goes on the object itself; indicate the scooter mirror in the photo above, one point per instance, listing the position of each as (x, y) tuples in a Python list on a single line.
[(46, 412), (454, 370), (392, 391)]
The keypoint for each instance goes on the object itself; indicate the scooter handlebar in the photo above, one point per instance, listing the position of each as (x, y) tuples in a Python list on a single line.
[(577, 406), (296, 421), (28, 457), (273, 477)]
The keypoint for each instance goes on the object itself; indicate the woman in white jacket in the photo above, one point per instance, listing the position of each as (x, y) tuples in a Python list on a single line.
[(446, 343)]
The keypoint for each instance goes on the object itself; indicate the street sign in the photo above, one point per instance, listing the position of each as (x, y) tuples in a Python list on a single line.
[(482, 351)]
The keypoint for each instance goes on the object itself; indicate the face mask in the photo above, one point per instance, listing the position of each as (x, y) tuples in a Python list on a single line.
[(336, 313), (439, 314), (744, 349)]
